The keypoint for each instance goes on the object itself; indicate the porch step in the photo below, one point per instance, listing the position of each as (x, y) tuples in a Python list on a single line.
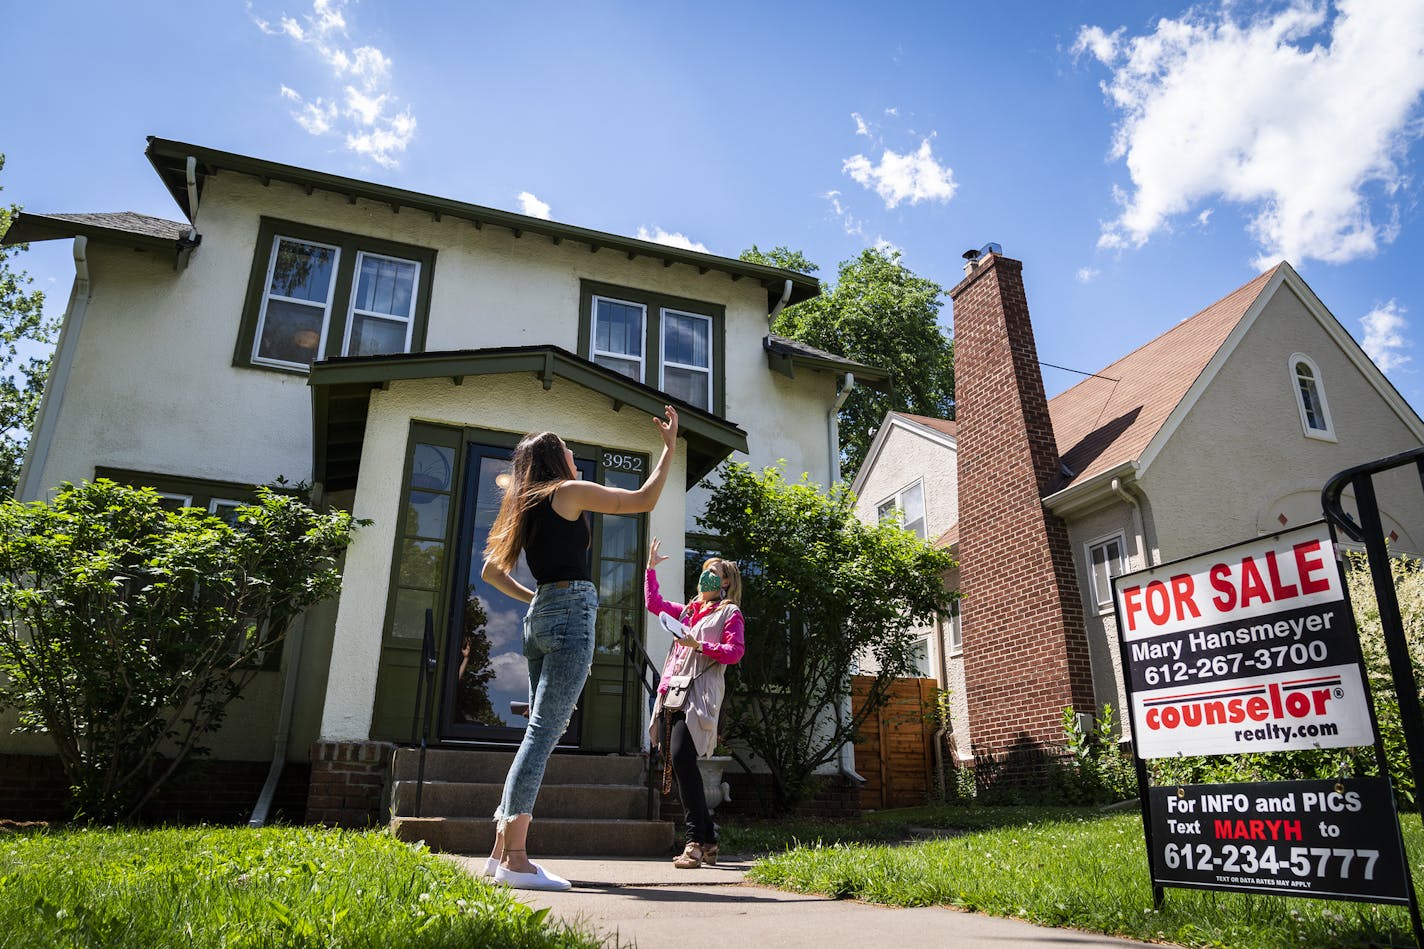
[(489, 767), (588, 805), (556, 837), (459, 799)]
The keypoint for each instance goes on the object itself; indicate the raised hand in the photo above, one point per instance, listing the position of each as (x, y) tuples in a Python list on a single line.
[(667, 426), (655, 554)]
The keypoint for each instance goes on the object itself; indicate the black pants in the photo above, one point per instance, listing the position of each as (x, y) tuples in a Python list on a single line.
[(689, 781)]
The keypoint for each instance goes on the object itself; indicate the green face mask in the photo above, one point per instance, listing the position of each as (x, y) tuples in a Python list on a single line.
[(709, 582)]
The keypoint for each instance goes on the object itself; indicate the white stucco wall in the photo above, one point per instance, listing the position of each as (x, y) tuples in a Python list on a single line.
[(908, 454), (154, 388), (1114, 519)]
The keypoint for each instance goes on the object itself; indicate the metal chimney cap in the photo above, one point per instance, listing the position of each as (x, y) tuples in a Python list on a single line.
[(970, 254)]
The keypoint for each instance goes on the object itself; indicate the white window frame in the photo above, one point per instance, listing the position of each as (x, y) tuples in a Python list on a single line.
[(352, 312), (1326, 434), (594, 352), (1097, 603), (267, 295), (931, 656), (186, 500), (663, 362), (897, 499), (217, 503), (954, 635)]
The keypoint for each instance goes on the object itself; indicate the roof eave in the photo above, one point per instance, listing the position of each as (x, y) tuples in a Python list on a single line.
[(26, 228), (169, 159), (1082, 496)]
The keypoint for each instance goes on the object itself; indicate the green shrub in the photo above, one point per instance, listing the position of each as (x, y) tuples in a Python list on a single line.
[(126, 629)]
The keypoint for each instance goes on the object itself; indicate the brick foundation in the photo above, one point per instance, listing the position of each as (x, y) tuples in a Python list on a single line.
[(34, 787), (1025, 643), (348, 783)]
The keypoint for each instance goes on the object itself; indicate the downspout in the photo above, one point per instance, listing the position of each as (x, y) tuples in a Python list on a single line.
[(785, 297), (46, 419), (1138, 525), (847, 753), (293, 649)]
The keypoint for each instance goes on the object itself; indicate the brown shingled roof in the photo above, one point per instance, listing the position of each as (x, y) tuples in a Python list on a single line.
[(942, 425), (1100, 424)]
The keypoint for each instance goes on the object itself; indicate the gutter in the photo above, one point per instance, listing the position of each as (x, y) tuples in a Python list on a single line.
[(1095, 491), (293, 649), (847, 752), (47, 418)]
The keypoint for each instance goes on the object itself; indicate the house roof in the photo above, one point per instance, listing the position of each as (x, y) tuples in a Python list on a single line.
[(128, 228), (785, 354), (949, 538), (341, 389), (942, 425), (170, 159), (1106, 421)]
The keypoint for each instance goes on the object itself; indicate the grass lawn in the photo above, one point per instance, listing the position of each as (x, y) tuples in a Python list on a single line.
[(235, 887), (1069, 867)]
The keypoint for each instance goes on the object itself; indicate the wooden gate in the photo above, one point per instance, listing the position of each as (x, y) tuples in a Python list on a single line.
[(896, 757)]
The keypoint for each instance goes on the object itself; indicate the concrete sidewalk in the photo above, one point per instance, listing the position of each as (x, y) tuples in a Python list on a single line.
[(651, 904)]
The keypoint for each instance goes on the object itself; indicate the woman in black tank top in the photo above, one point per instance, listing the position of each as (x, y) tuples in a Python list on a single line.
[(544, 515)]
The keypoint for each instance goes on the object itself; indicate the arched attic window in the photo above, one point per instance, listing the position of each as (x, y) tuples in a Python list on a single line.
[(1310, 398)]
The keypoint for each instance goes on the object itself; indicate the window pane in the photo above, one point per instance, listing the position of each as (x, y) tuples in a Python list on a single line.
[(371, 336), (410, 613), (427, 514), (431, 467), (689, 385), (1310, 398), (618, 585), (921, 655), (916, 527), (912, 502), (621, 366), (620, 537), (174, 502), (885, 511), (686, 340), (422, 564), (302, 271), (618, 328), (224, 510), (291, 332), (385, 286)]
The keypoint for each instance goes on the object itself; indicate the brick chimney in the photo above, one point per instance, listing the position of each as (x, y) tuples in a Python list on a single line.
[(1025, 646)]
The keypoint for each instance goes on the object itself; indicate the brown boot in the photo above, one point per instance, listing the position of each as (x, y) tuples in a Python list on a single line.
[(690, 858), (709, 854)]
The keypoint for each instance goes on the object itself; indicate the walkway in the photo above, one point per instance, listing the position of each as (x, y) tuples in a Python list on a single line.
[(650, 904)]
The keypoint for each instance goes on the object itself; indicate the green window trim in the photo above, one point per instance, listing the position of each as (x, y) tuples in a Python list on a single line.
[(349, 247), (654, 304)]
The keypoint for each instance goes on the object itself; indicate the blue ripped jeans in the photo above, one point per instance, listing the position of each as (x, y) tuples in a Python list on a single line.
[(558, 642)]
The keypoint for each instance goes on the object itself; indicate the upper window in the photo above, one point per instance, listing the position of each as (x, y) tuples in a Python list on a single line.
[(315, 294), (670, 343), (1105, 561), (1310, 398), (910, 503)]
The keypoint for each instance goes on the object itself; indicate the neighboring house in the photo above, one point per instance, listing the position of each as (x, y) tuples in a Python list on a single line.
[(1225, 427), (390, 348)]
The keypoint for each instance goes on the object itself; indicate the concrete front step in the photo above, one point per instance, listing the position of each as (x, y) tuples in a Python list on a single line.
[(473, 766), (459, 799), (555, 837)]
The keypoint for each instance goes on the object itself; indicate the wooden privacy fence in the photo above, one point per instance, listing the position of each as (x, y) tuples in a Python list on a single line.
[(896, 757)]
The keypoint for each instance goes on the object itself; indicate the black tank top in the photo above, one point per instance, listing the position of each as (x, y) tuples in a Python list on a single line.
[(557, 549)]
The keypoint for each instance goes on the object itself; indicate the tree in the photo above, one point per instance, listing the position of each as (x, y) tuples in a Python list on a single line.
[(814, 608), (22, 373), (881, 314), (127, 629)]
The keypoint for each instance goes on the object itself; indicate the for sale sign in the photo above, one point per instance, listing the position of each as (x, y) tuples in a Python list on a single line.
[(1251, 648), (1326, 839)]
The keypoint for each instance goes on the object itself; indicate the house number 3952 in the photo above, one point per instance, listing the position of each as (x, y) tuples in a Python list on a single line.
[(618, 461)]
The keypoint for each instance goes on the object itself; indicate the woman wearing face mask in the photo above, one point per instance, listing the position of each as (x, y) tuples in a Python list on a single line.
[(714, 640), (543, 515)]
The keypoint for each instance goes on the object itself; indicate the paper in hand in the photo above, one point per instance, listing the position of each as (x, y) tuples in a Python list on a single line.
[(670, 624)]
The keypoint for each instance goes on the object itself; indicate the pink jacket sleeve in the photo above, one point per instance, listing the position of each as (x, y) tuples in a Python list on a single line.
[(656, 604), (733, 645)]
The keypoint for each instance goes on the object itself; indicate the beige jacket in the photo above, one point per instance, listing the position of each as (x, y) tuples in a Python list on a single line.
[(704, 699)]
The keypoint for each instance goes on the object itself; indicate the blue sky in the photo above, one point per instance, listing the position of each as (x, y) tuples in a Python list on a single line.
[(1142, 159)]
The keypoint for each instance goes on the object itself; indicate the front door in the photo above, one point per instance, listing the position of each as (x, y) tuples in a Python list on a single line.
[(486, 676)]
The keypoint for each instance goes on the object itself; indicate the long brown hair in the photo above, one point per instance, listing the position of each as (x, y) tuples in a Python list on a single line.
[(731, 578), (539, 468)]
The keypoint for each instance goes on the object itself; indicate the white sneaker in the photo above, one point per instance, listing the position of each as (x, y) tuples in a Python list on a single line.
[(491, 865), (540, 879)]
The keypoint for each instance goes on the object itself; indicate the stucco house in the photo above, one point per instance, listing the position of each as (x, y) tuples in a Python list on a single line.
[(1225, 426), (390, 348)]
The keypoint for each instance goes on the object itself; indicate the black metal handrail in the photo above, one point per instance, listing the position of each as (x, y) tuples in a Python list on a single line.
[(1370, 531), (636, 658), (424, 685)]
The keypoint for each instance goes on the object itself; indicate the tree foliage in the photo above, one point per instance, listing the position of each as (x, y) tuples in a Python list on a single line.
[(127, 629), (881, 314), (820, 591), (23, 370)]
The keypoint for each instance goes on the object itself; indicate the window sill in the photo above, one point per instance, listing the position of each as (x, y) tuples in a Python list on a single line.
[(1322, 436)]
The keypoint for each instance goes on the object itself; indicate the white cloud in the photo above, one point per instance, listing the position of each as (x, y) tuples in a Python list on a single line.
[(532, 206), (1087, 274), (374, 126), (1384, 340), (1204, 217), (1301, 119), (913, 177), (860, 127), (888, 247), (849, 223), (659, 236)]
